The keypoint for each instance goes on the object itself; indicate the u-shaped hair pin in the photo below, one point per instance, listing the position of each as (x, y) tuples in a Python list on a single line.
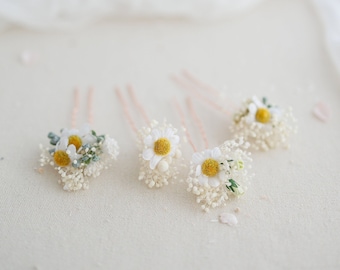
[(159, 145), (264, 125), (78, 154)]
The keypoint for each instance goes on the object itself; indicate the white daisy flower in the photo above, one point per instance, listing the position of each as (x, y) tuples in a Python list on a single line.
[(65, 153), (264, 126), (208, 167), (78, 137), (77, 155), (260, 112), (160, 144), (219, 172), (160, 154)]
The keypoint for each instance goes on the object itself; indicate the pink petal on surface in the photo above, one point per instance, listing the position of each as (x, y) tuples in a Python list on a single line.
[(28, 57), (322, 111), (228, 218)]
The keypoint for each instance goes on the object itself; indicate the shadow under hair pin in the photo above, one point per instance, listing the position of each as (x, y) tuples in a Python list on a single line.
[(215, 173), (158, 143), (263, 125), (78, 154)]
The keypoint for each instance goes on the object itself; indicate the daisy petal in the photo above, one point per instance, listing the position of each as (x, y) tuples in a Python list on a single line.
[(214, 182), (207, 154), (216, 153), (198, 170), (88, 138), (274, 109), (168, 132), (174, 139), (203, 180), (257, 102), (85, 129), (62, 144), (148, 154), (252, 108), (148, 141), (154, 161), (155, 133), (172, 150), (197, 158), (73, 131), (64, 132), (72, 152)]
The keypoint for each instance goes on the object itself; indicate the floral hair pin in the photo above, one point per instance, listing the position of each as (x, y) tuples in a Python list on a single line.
[(263, 125), (218, 172), (78, 154), (158, 143)]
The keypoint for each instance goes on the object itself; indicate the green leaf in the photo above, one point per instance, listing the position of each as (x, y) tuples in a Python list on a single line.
[(233, 185), (96, 158), (100, 138)]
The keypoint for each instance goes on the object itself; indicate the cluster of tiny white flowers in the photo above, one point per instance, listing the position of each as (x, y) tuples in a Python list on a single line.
[(99, 150), (72, 179), (110, 148), (234, 165), (264, 136), (166, 168)]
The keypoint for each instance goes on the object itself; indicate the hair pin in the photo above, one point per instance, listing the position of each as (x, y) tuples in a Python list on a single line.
[(218, 172), (158, 143), (263, 125), (78, 154)]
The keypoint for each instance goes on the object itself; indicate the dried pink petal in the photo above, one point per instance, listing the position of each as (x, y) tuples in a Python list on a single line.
[(322, 111), (28, 57), (228, 218)]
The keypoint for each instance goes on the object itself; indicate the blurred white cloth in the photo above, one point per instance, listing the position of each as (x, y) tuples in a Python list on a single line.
[(329, 13), (46, 14), (65, 14)]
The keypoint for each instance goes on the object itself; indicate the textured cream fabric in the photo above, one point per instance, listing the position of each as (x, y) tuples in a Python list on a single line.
[(288, 219)]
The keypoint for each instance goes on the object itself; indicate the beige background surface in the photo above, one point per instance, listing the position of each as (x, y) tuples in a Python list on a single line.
[(289, 219)]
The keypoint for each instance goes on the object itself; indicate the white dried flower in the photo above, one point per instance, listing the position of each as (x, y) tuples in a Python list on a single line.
[(77, 155), (214, 174), (263, 125), (160, 154)]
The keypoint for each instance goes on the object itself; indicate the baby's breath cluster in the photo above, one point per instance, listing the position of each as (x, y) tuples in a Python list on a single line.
[(265, 126), (219, 172), (77, 155), (160, 154)]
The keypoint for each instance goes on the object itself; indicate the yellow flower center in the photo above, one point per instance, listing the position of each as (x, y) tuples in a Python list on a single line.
[(61, 158), (75, 140), (210, 167), (263, 115), (162, 147)]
